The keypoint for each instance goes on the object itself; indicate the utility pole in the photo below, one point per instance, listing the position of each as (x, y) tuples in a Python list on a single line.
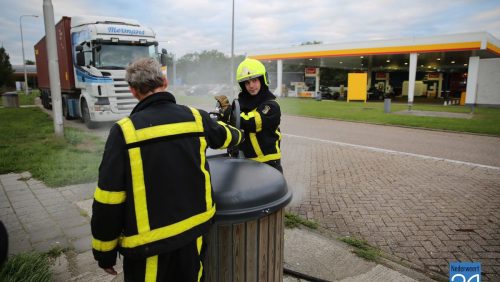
[(55, 83), (26, 90), (231, 72)]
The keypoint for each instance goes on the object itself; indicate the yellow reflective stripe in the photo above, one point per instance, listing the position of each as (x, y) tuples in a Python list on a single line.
[(104, 246), (139, 189), (208, 185), (258, 151), (166, 130), (240, 135), (128, 130), (151, 269), (278, 142), (166, 231), (199, 242), (229, 136), (138, 186), (255, 144), (200, 272), (247, 116), (131, 135), (109, 197), (266, 158), (258, 122), (197, 119)]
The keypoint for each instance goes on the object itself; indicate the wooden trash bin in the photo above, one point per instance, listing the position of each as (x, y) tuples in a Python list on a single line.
[(246, 241), (10, 100)]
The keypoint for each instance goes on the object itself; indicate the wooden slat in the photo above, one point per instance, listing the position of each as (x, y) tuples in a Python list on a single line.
[(263, 247), (271, 249), (252, 251), (210, 262), (278, 269), (225, 253), (239, 253)]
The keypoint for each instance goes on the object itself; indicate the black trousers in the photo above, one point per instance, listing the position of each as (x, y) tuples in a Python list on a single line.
[(276, 164), (183, 264)]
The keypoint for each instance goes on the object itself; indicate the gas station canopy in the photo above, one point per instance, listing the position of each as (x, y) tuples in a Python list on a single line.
[(442, 57), (435, 52)]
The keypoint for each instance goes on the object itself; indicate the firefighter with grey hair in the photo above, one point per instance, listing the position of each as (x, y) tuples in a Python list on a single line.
[(153, 202)]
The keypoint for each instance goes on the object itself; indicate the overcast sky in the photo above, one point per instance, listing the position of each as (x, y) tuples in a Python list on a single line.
[(187, 26)]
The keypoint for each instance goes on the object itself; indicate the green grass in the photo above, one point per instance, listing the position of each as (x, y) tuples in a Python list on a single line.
[(362, 249), (484, 120), (26, 267), (292, 221), (28, 143), (26, 99)]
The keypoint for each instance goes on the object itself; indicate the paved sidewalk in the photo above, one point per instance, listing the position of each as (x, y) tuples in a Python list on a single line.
[(41, 218)]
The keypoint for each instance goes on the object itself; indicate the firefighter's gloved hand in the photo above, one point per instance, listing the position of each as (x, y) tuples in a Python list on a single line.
[(233, 151), (223, 102), (225, 108)]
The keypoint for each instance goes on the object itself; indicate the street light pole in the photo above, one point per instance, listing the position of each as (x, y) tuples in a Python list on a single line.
[(26, 91), (232, 54)]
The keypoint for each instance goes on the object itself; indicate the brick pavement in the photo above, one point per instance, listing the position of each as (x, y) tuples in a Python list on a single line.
[(424, 211), (41, 218)]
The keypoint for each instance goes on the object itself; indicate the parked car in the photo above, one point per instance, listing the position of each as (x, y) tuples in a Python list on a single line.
[(198, 90), (375, 94), (222, 89)]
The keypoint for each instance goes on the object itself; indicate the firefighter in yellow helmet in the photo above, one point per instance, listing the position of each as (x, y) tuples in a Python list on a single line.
[(260, 114), (153, 202)]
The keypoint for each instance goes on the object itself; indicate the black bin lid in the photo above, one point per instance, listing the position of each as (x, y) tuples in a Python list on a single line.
[(245, 190), (10, 94)]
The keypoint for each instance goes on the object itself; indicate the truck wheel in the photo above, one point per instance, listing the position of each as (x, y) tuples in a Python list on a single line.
[(45, 100), (86, 116), (65, 110)]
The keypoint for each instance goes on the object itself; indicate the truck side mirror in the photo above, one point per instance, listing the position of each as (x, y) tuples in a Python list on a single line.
[(163, 59), (80, 56), (80, 59)]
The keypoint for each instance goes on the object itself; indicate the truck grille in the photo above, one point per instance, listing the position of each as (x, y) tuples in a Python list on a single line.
[(125, 101)]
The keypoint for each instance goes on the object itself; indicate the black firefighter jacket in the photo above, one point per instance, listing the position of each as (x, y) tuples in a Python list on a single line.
[(154, 193), (260, 121)]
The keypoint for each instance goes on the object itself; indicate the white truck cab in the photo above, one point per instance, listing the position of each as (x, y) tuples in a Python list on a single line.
[(102, 48)]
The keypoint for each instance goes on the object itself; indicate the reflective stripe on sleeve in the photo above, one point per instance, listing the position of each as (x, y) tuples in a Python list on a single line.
[(109, 197), (104, 246), (229, 136)]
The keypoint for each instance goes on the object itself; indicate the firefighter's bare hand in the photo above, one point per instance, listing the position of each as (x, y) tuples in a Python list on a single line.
[(110, 270), (223, 101)]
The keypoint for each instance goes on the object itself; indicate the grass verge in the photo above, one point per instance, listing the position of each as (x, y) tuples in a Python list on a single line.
[(362, 248), (25, 99), (483, 121), (292, 221), (27, 143), (26, 267)]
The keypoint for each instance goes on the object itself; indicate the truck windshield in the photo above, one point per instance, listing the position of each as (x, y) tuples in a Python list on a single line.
[(119, 56)]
